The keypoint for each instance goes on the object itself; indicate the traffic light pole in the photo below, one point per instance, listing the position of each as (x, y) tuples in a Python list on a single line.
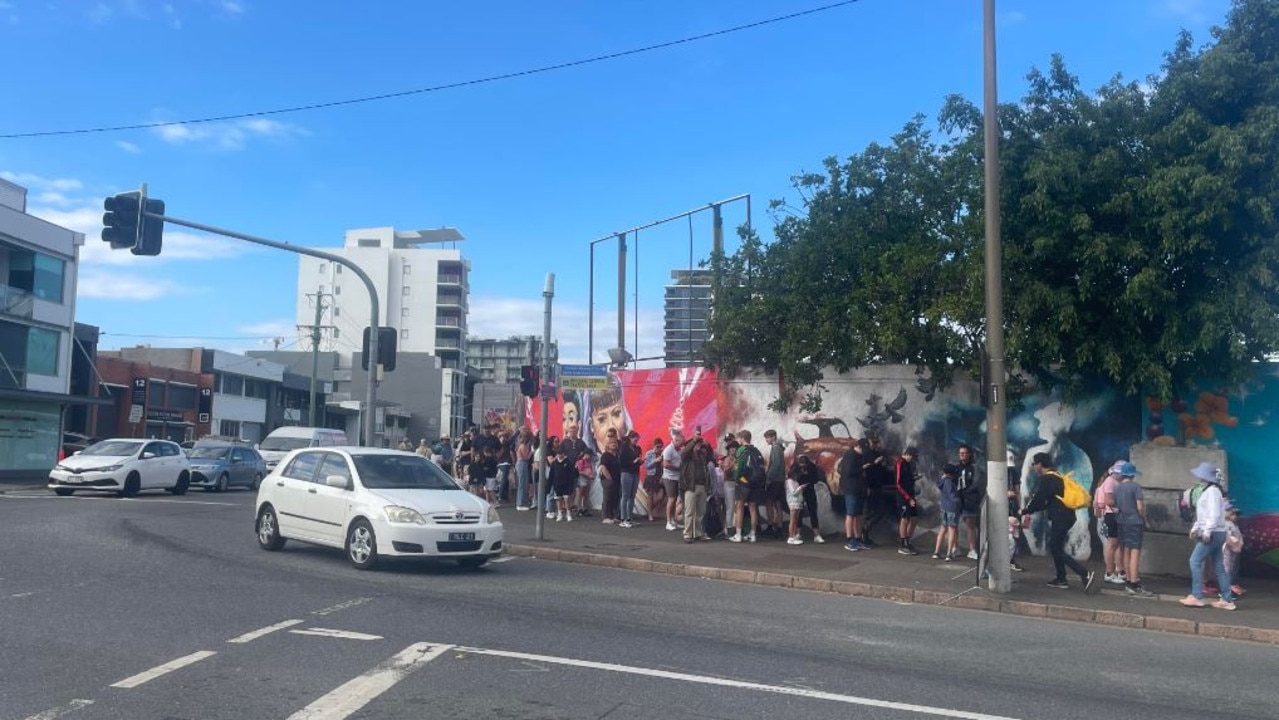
[(370, 413)]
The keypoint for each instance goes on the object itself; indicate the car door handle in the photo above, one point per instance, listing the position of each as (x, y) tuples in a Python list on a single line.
[(279, 483), (311, 490)]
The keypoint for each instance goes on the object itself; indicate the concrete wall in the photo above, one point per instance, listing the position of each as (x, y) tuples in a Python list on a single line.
[(415, 386), (1165, 473)]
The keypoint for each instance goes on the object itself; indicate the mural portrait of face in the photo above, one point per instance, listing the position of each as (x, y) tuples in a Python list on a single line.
[(606, 411), (572, 423)]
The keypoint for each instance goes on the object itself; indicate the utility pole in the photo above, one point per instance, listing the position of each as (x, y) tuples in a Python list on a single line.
[(996, 528), (316, 336), (548, 293)]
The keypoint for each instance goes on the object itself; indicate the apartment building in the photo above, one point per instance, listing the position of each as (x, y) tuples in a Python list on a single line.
[(688, 308)]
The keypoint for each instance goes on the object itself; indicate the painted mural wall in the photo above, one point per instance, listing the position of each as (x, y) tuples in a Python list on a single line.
[(1085, 436)]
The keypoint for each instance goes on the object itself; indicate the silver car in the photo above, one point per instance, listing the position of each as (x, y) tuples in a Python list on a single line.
[(217, 466)]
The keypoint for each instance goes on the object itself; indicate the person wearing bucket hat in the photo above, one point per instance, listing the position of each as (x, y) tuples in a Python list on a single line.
[(1209, 532), (1129, 502), (1103, 508)]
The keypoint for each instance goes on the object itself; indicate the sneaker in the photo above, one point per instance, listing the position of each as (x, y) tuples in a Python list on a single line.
[(688, 541), (903, 550), (867, 543), (550, 515), (1015, 567), (608, 521), (559, 518), (817, 538), (1223, 605), (568, 517), (972, 554), (521, 508), (625, 524), (1115, 579), (736, 538), (1138, 591), (1059, 584), (794, 541), (1191, 601), (937, 556), (670, 525), (949, 558), (853, 546), (1090, 583), (750, 538), (705, 538)]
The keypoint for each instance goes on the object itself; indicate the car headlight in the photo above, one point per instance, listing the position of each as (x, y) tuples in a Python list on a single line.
[(397, 514), (61, 467), (493, 518), (110, 468)]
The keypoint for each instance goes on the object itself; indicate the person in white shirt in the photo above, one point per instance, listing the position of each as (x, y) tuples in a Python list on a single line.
[(1209, 534)]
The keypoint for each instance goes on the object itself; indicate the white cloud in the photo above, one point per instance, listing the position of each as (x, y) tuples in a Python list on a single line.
[(128, 147), (231, 7), (272, 328), (100, 12), (114, 285), (228, 135), (502, 317), (1191, 10), (52, 197), (1013, 17), (38, 183)]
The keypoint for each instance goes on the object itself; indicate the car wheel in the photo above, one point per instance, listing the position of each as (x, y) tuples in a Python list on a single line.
[(182, 485), (268, 527), (472, 562), (62, 492), (361, 545), (222, 482), (257, 482), (132, 484)]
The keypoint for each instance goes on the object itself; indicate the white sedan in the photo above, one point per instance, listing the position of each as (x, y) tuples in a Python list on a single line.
[(371, 503)]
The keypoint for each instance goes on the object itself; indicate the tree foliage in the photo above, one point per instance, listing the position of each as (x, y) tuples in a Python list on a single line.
[(1140, 238)]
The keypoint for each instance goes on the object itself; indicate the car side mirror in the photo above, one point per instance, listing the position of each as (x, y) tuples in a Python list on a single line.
[(148, 455), (337, 481)]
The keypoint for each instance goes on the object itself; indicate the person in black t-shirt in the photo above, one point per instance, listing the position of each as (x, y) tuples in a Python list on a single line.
[(907, 501), (610, 479)]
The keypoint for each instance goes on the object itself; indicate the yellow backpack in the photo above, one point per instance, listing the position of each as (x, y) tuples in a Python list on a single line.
[(1073, 495)]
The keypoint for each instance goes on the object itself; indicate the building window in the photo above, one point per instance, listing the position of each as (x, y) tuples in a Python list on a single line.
[(337, 311), (42, 351), (229, 428), (408, 269), (232, 385), (404, 290), (404, 312), (181, 396), (319, 290), (365, 242), (338, 268), (324, 268), (336, 333), (155, 394), (337, 289), (48, 279), (404, 334)]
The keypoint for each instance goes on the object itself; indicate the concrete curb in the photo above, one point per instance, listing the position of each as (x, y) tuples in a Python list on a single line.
[(907, 595)]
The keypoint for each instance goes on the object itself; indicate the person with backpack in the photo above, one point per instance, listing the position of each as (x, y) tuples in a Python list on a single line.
[(751, 476), (1051, 497), (1209, 534)]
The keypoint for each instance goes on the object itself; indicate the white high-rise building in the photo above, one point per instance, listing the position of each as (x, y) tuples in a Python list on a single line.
[(422, 288)]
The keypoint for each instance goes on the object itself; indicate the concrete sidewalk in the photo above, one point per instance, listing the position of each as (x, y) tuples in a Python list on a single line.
[(883, 573)]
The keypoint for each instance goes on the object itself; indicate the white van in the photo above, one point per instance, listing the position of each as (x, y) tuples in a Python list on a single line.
[(282, 440)]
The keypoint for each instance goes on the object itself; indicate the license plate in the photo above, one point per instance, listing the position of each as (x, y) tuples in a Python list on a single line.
[(461, 537)]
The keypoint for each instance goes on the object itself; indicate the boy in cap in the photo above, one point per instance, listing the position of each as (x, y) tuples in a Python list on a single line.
[(1130, 523)]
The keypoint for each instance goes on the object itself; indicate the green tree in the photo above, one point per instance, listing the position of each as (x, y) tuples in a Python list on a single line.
[(1140, 236)]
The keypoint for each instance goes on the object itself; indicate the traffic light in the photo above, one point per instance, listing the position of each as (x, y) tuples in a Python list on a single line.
[(530, 380), (122, 220), (386, 340), (152, 235)]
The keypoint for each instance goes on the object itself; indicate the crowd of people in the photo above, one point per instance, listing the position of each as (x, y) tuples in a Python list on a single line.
[(738, 492)]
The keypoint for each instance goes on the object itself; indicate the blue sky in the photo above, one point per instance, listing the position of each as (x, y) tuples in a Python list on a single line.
[(530, 169)]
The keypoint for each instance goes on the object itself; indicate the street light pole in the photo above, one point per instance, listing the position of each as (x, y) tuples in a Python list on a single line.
[(997, 551)]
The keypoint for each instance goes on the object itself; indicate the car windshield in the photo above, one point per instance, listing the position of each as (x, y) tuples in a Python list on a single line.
[(285, 444), (113, 448), (401, 471), (208, 452)]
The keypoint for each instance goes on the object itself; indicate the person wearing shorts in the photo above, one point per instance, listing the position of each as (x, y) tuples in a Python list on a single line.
[(1107, 514), (671, 459), (852, 484), (1130, 517), (949, 505)]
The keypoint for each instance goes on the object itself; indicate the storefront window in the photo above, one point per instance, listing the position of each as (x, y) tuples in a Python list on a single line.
[(48, 278), (29, 436)]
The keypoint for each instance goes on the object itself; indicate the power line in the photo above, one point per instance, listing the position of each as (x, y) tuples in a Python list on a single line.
[(192, 337), (437, 88)]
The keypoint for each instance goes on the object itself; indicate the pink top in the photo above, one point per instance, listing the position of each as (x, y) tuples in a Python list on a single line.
[(1099, 500)]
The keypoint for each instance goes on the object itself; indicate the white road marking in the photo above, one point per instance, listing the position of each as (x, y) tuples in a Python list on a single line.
[(23, 594), (504, 558), (61, 710), (104, 498), (160, 670), (343, 634), (255, 634), (354, 694), (742, 684), (341, 606)]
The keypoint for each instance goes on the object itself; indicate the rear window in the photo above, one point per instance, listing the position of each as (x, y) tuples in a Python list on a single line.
[(285, 444)]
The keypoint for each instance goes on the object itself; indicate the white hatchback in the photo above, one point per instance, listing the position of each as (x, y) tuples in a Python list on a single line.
[(371, 503), (124, 466)]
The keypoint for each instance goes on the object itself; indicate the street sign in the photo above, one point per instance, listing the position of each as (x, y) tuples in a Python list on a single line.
[(135, 414), (549, 392), (583, 377)]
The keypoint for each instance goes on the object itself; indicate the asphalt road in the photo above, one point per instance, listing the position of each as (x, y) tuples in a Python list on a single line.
[(165, 608)]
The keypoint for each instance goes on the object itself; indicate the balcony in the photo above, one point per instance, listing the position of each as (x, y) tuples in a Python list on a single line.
[(449, 300), (15, 302), (450, 279)]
